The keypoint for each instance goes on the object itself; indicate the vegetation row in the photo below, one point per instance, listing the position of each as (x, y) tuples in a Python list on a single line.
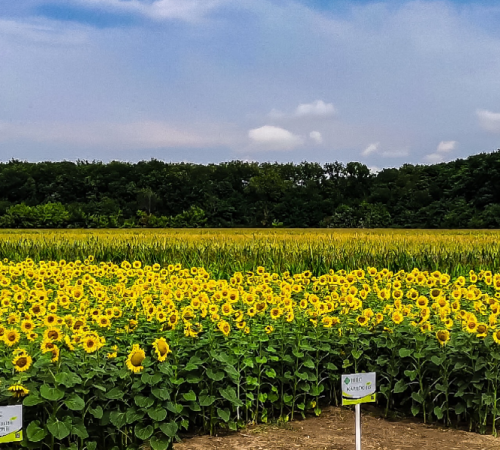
[(112, 356), (460, 194)]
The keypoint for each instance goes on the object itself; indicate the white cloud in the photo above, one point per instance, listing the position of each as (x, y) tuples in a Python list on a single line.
[(488, 120), (374, 169), (433, 158), (144, 134), (274, 138), (446, 146), (316, 108), (316, 137), (372, 148), (190, 10)]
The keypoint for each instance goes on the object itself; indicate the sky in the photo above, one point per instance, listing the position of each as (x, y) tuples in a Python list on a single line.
[(206, 81)]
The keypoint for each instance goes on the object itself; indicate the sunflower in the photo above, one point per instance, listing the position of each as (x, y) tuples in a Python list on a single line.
[(362, 320), (11, 337), (443, 336), (91, 343), (269, 329), (27, 326), (52, 334), (22, 362), (397, 317), (103, 322), (471, 326), (422, 301), (482, 330), (162, 349), (496, 337), (275, 313), (224, 327), (135, 359), (18, 390)]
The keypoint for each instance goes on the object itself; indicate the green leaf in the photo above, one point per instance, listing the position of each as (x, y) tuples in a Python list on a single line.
[(97, 412), (216, 376), (115, 394), (436, 360), (143, 432), (415, 409), (356, 353), (270, 372), (51, 393), (331, 366), (400, 386), (134, 415), (58, 429), (143, 402), (261, 360), (91, 445), (206, 400), (75, 402), (118, 419), (459, 408), (176, 409), (42, 362), (309, 363), (438, 412), (160, 393), (404, 352), (223, 414), (68, 379), (417, 397), (80, 430), (170, 429), (159, 443), (189, 396), (34, 432), (230, 394), (157, 413), (32, 400)]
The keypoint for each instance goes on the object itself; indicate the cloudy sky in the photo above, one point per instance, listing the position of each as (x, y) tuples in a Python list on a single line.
[(384, 83)]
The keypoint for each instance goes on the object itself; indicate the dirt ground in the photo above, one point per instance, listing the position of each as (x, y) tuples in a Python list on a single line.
[(334, 430)]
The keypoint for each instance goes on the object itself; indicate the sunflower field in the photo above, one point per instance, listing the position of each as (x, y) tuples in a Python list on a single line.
[(107, 355)]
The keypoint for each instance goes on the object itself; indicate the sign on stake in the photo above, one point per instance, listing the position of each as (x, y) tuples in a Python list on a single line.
[(11, 423), (359, 388)]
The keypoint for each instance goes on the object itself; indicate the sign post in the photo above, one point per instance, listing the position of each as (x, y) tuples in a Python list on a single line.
[(11, 423), (359, 388)]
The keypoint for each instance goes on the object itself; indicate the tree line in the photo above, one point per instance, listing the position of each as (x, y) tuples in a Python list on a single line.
[(464, 193)]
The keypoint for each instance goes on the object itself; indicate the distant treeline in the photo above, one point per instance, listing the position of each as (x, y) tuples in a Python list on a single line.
[(461, 194)]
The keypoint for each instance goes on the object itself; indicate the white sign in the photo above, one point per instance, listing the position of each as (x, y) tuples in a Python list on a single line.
[(359, 388), (11, 423)]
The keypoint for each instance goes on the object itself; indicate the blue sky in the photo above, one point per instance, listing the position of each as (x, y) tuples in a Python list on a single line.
[(384, 83)]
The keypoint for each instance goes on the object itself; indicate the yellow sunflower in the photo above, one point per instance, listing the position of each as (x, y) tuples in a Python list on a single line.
[(135, 359), (91, 343), (397, 317), (18, 390), (162, 349), (11, 337), (52, 334), (496, 337), (22, 362), (443, 336)]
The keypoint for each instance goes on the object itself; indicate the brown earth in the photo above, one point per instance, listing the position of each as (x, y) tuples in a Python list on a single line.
[(334, 430)]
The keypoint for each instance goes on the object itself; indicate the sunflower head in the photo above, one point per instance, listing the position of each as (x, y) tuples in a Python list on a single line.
[(22, 362), (162, 349), (18, 390), (443, 336), (135, 359)]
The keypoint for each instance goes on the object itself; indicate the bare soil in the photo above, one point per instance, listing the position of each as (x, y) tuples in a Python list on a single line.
[(334, 430)]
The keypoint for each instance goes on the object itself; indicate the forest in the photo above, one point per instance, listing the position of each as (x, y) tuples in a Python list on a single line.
[(464, 193)]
